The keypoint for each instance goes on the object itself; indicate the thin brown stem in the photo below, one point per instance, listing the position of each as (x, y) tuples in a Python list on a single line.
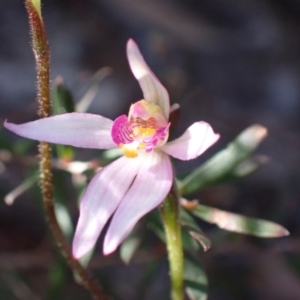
[(41, 53)]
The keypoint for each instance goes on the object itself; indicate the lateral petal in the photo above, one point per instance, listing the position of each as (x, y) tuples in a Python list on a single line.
[(100, 200), (74, 129), (152, 88), (195, 140), (149, 189)]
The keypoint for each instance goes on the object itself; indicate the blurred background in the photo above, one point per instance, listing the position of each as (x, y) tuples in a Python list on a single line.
[(231, 63)]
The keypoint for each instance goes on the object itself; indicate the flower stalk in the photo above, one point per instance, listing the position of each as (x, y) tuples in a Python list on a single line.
[(170, 216), (41, 52)]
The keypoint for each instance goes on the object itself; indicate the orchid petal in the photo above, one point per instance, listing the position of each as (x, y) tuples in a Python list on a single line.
[(100, 200), (196, 139), (74, 129), (152, 89), (151, 186)]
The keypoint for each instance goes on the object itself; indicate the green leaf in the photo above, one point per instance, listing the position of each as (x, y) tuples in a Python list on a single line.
[(195, 280), (62, 103), (20, 189), (85, 260), (192, 235), (190, 244), (130, 246), (88, 98), (239, 223), (221, 166), (64, 219), (111, 154), (62, 98), (154, 223), (248, 166)]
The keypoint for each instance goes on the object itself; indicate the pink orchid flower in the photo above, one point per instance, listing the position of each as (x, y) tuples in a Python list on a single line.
[(137, 182)]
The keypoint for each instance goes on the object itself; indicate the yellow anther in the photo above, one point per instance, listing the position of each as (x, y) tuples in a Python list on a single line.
[(130, 150)]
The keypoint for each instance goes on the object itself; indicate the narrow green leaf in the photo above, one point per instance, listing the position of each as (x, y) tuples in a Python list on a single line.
[(85, 260), (84, 104), (195, 280), (248, 166), (192, 235), (64, 219), (201, 239), (62, 98), (62, 103), (130, 246), (223, 163), (20, 189), (239, 223), (111, 154), (154, 223)]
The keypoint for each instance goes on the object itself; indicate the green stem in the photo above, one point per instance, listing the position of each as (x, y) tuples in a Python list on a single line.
[(170, 215), (41, 53)]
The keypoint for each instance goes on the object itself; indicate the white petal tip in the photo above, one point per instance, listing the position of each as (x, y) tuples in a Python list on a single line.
[(131, 43), (79, 251), (109, 248), (8, 125), (217, 136)]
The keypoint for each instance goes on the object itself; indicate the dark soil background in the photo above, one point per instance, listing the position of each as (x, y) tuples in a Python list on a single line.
[(231, 63)]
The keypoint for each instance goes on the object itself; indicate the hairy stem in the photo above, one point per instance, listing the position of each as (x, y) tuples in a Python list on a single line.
[(41, 53), (170, 215)]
